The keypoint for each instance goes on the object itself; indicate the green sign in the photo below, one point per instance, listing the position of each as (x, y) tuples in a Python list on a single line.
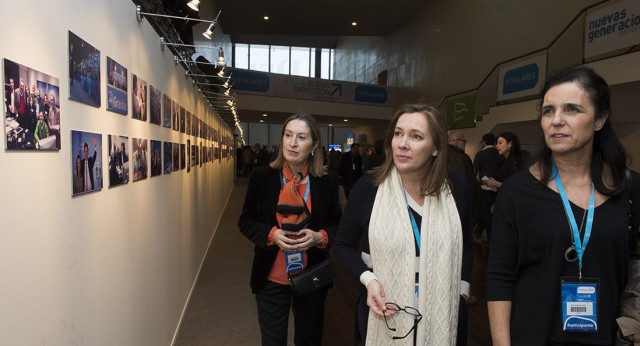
[(461, 112)]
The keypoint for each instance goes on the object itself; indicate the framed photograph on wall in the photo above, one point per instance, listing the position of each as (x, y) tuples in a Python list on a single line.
[(32, 113), (176, 157), (86, 162), (187, 123), (118, 160), (155, 98), (84, 71), (117, 86), (188, 159), (183, 159), (138, 98), (182, 116), (156, 158), (166, 111), (140, 165), (175, 115), (167, 157)]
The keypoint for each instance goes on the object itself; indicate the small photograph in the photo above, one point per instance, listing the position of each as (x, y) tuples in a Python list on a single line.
[(138, 98), (84, 71), (117, 86), (32, 116), (188, 156), (215, 135), (176, 157), (187, 123), (86, 162), (182, 116), (175, 115), (155, 98), (183, 159), (168, 157), (118, 160), (156, 158), (140, 166), (166, 111), (202, 153), (197, 154), (193, 155)]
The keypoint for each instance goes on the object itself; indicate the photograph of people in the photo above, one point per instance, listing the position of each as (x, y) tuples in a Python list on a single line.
[(176, 156), (167, 156), (118, 160), (84, 71), (166, 111), (117, 86), (155, 97), (156, 158), (139, 98), (287, 242), (88, 176), (417, 252), (562, 225), (140, 170)]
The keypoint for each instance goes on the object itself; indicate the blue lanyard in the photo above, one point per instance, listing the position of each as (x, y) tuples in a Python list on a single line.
[(414, 225), (306, 193), (580, 245)]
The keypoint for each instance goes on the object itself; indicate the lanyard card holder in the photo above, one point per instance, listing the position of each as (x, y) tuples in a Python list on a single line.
[(580, 304)]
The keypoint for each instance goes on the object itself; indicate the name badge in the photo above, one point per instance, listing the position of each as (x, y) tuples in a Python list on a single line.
[(294, 261), (579, 304)]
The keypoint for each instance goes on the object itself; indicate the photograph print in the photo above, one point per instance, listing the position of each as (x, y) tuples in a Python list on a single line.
[(166, 111), (138, 98), (118, 160), (86, 162), (188, 158), (84, 71), (140, 165), (167, 157), (156, 158), (187, 123), (176, 157), (155, 97), (117, 86), (183, 159), (182, 116), (32, 115), (175, 115)]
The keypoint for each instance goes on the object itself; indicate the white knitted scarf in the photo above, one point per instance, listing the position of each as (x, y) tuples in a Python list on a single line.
[(393, 255)]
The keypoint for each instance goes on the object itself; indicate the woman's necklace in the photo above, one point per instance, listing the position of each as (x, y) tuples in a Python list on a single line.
[(570, 254)]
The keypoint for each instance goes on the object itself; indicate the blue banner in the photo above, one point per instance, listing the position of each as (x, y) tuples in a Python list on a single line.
[(117, 100), (371, 94), (249, 81), (521, 78)]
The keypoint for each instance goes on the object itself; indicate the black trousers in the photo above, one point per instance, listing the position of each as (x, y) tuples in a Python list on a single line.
[(274, 302)]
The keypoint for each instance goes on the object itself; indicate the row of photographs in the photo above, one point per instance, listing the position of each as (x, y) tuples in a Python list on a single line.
[(32, 115), (165, 157)]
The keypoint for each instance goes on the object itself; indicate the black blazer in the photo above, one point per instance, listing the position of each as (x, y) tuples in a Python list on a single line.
[(259, 216)]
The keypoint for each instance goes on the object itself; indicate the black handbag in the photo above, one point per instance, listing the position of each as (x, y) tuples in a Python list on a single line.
[(312, 279)]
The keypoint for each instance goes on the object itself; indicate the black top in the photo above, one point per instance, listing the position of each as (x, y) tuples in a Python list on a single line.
[(485, 163), (355, 224), (529, 237), (259, 216)]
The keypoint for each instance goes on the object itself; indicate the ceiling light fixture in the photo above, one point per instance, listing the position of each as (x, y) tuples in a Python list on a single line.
[(194, 4), (221, 60), (354, 23), (266, 17)]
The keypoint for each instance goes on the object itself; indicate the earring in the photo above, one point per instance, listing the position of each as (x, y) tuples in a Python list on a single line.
[(312, 152)]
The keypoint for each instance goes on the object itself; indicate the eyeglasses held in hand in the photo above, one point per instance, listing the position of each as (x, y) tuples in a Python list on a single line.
[(409, 310)]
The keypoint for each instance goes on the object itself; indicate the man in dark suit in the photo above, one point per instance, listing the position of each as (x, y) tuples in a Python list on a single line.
[(87, 165), (485, 163), (350, 168)]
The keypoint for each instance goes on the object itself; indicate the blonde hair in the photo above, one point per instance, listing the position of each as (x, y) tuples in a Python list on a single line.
[(435, 178), (316, 158)]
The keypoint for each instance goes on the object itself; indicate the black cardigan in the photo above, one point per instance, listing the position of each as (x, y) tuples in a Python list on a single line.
[(259, 216)]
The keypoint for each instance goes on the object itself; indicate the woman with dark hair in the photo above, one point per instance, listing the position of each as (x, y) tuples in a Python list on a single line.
[(291, 213), (508, 146), (417, 252), (565, 230)]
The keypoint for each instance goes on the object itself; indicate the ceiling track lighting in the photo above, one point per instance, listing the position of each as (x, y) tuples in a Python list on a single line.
[(140, 16), (194, 5)]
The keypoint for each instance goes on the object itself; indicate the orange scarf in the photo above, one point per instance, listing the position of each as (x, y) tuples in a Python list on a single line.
[(291, 205)]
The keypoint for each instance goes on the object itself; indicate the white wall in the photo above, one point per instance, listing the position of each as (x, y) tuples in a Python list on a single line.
[(114, 267)]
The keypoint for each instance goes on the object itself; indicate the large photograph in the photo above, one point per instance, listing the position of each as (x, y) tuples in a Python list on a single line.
[(175, 115), (32, 114), (117, 84), (155, 97), (84, 71), (140, 166), (86, 162), (138, 98), (176, 157), (168, 157), (118, 160), (166, 111)]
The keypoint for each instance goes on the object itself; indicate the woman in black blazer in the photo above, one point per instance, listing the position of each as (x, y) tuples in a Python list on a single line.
[(280, 252)]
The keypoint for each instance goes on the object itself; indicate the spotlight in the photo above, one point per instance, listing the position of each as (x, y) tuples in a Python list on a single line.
[(221, 60), (209, 31), (194, 4)]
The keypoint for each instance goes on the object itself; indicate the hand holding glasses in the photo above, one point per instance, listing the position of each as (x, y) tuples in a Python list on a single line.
[(409, 310)]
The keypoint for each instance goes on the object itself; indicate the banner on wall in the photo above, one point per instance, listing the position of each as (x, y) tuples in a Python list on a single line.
[(522, 78), (276, 85), (461, 112), (611, 28)]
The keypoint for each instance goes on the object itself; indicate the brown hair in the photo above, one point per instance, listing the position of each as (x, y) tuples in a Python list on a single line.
[(435, 178), (316, 160)]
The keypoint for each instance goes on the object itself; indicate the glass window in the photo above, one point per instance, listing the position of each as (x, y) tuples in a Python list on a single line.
[(300, 61), (312, 67), (332, 54), (259, 57), (280, 59), (325, 57), (241, 56)]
